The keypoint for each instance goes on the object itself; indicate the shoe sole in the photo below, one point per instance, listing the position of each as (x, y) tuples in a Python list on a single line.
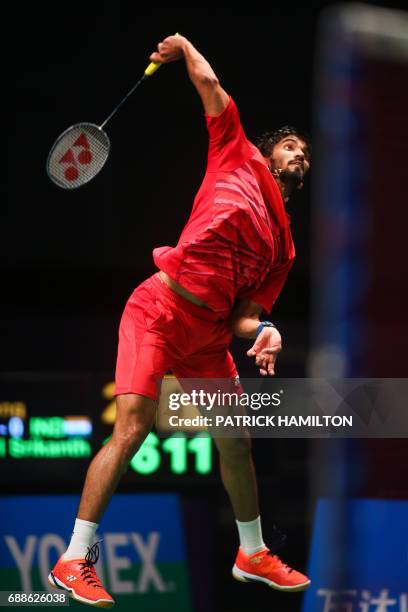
[(242, 576), (57, 584)]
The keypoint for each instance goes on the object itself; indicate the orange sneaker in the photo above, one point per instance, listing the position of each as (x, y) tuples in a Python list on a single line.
[(268, 568), (78, 576)]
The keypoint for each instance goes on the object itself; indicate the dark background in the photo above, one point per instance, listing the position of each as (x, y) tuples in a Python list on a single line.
[(72, 258), (69, 260)]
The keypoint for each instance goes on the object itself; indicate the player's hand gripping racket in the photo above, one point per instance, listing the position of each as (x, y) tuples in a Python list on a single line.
[(81, 151)]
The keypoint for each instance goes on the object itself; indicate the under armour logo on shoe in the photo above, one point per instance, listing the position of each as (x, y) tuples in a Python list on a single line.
[(71, 578), (256, 559)]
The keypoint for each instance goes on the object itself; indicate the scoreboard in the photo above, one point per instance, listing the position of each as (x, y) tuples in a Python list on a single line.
[(51, 425)]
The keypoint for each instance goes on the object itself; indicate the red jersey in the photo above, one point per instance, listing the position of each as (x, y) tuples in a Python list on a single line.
[(237, 242)]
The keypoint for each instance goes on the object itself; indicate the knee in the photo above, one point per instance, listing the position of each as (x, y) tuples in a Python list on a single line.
[(134, 420)]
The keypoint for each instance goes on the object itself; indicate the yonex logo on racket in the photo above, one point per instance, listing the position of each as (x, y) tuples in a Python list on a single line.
[(71, 157)]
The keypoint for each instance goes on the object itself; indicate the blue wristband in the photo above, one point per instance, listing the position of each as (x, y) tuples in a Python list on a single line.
[(262, 325)]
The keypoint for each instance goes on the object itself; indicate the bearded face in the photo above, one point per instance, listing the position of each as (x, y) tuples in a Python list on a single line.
[(289, 162)]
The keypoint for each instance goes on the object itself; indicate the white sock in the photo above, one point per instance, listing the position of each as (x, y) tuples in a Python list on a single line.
[(250, 536), (82, 537)]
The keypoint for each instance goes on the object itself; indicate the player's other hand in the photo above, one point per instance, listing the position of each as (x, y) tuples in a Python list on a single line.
[(265, 350), (169, 50)]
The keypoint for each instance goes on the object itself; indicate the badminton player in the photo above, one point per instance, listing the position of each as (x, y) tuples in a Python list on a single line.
[(229, 266)]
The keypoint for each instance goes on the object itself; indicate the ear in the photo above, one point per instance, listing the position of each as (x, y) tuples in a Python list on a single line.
[(300, 185)]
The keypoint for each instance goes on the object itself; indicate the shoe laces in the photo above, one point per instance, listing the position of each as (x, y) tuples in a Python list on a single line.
[(88, 572), (277, 562)]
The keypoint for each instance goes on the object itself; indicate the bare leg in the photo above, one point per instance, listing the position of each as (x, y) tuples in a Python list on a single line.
[(134, 419), (238, 476)]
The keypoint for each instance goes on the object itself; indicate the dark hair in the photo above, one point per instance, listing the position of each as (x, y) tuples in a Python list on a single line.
[(268, 140)]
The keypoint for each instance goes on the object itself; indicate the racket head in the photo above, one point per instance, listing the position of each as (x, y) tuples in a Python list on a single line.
[(78, 155)]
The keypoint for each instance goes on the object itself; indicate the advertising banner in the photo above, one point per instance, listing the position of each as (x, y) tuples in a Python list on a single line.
[(142, 563)]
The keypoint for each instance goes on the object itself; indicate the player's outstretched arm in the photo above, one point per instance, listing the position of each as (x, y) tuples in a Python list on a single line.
[(203, 77)]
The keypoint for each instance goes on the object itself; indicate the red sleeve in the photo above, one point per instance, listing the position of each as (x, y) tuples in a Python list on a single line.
[(267, 294), (228, 146)]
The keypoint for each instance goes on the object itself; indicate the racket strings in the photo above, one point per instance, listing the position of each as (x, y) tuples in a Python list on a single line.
[(78, 155)]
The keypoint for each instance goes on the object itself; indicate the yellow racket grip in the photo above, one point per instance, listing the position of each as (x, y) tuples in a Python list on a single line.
[(153, 66)]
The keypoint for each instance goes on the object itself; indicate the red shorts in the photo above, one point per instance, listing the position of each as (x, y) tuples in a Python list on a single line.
[(162, 331)]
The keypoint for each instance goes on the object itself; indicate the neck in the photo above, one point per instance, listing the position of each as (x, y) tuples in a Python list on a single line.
[(283, 188)]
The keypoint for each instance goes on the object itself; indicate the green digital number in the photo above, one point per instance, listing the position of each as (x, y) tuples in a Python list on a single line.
[(147, 459), (201, 445), (176, 446)]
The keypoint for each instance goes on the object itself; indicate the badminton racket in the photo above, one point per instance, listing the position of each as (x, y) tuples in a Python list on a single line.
[(80, 152)]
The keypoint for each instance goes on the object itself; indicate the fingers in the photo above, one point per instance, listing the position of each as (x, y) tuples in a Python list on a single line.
[(266, 363), (160, 55), (156, 57), (265, 358), (168, 50), (254, 350), (267, 369)]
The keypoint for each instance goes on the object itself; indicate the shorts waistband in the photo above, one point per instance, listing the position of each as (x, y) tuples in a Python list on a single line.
[(181, 302)]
